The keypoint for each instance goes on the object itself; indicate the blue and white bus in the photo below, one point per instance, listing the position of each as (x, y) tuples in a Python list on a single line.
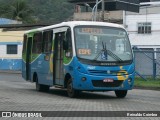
[(79, 56)]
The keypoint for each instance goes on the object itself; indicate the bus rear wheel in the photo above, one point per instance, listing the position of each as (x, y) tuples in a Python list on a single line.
[(121, 93), (39, 87), (70, 90)]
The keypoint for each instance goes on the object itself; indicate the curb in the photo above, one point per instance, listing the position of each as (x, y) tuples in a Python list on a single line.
[(147, 88), (10, 71)]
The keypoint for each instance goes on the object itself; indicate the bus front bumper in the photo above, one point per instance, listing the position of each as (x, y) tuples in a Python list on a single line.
[(88, 82)]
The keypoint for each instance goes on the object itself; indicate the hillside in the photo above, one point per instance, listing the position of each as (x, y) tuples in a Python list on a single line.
[(44, 11)]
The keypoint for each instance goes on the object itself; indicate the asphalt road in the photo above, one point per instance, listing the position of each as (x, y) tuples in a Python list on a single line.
[(19, 95)]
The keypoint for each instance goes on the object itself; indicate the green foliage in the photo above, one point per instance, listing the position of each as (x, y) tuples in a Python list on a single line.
[(149, 83), (33, 11), (17, 10), (50, 11)]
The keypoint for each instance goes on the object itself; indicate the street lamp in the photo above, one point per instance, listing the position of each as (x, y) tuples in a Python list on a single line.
[(94, 10)]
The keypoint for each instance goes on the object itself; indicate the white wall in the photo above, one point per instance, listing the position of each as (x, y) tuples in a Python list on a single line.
[(10, 37), (144, 40), (3, 51)]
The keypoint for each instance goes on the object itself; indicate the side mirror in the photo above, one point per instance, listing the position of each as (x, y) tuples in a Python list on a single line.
[(68, 54)]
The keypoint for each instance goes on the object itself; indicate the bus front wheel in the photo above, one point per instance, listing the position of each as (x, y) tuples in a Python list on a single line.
[(121, 93), (70, 90), (40, 87)]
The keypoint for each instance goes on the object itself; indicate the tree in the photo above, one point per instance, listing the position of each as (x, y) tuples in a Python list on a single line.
[(20, 11), (45, 11)]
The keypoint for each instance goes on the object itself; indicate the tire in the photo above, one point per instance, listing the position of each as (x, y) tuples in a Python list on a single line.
[(121, 93), (70, 90), (42, 88)]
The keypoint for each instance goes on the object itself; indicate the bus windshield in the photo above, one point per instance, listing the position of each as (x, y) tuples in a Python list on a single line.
[(102, 44)]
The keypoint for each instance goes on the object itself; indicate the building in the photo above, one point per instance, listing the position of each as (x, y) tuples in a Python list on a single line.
[(10, 49), (144, 27), (11, 41), (108, 10), (4, 21), (10, 46)]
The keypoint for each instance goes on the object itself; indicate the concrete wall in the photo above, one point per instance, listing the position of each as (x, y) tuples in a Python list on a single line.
[(108, 16)]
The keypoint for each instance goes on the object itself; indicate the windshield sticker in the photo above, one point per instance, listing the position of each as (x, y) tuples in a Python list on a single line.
[(84, 51), (104, 55)]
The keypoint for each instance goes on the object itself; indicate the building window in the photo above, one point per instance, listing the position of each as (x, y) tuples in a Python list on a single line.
[(11, 49), (144, 28)]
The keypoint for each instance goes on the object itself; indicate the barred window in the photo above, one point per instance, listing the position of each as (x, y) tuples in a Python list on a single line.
[(144, 28), (12, 49)]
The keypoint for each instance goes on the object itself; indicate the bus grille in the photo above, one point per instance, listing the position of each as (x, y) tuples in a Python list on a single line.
[(105, 72), (100, 83)]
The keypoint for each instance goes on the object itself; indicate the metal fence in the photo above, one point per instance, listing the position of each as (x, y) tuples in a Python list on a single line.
[(147, 63)]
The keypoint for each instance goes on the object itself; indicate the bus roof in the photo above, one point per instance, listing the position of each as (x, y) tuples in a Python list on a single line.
[(76, 23)]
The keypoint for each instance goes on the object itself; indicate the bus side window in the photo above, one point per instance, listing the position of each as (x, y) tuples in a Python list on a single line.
[(47, 41), (37, 43), (67, 43)]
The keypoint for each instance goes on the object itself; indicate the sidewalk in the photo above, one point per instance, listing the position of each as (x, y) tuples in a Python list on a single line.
[(11, 71)]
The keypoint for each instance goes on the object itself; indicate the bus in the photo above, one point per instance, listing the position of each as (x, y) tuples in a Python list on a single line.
[(79, 56)]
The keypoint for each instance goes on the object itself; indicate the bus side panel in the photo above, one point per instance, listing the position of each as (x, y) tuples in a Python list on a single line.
[(29, 58), (23, 69), (41, 66)]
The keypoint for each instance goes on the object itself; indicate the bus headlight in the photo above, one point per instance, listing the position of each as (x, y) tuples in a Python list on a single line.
[(129, 81)]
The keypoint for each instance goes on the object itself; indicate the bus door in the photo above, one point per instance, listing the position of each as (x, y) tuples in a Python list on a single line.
[(28, 58), (45, 67), (58, 59)]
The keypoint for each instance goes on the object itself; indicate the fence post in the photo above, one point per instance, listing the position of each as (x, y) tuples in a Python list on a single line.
[(154, 65)]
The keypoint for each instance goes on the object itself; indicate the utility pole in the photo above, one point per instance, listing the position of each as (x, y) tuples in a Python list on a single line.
[(94, 10), (103, 10)]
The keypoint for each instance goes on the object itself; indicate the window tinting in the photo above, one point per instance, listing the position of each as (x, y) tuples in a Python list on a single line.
[(37, 43), (47, 41)]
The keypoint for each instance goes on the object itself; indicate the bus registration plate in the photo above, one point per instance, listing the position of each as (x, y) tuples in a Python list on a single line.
[(108, 80)]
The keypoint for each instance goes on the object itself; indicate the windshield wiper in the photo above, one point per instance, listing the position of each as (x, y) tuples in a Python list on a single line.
[(107, 52)]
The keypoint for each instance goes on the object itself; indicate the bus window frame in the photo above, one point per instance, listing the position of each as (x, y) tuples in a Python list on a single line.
[(25, 39), (33, 52), (69, 43), (43, 41), (81, 26)]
